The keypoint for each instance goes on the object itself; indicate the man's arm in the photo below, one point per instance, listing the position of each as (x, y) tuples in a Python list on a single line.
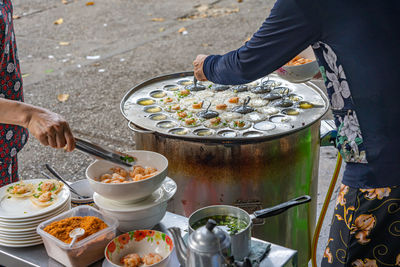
[(284, 34), (48, 127)]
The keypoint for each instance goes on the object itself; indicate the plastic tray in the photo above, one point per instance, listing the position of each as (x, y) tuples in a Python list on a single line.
[(87, 250)]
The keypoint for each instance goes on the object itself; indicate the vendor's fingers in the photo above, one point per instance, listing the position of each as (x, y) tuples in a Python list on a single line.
[(43, 139), (51, 140), (69, 138), (199, 74), (61, 142), (199, 60), (51, 133), (198, 67)]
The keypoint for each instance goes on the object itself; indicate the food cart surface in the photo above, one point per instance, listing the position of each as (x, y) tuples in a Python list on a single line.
[(37, 256)]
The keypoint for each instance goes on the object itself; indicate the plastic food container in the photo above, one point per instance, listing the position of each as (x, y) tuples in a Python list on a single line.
[(84, 252)]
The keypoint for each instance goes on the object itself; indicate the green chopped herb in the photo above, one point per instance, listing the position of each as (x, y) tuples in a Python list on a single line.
[(25, 212), (127, 159), (9, 197)]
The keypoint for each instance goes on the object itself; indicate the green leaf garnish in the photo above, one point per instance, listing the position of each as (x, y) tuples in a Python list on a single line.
[(128, 159)]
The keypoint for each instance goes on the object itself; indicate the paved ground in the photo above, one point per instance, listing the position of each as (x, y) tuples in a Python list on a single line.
[(112, 46)]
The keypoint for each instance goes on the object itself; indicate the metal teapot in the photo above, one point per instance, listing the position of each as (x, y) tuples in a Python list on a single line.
[(208, 246)]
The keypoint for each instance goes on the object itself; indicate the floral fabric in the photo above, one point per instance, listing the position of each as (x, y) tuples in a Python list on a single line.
[(8, 170), (365, 229), (349, 139), (12, 137)]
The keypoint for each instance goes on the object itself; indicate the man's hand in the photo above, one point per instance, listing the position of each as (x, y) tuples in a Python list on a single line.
[(50, 128), (198, 67)]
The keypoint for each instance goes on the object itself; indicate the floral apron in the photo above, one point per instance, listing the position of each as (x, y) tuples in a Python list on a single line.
[(12, 137), (365, 229)]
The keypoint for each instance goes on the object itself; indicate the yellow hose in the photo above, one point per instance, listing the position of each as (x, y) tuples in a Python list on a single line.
[(323, 211)]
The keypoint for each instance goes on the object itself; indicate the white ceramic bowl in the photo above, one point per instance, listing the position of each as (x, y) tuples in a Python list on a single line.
[(140, 242), (83, 188), (141, 215), (303, 72), (133, 191)]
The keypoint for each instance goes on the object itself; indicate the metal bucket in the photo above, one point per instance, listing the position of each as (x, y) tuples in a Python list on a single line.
[(250, 176), (244, 171)]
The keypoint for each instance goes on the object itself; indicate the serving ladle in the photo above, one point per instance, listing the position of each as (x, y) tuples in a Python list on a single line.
[(75, 234)]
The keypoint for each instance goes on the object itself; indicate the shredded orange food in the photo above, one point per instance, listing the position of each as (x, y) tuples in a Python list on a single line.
[(298, 60), (61, 229)]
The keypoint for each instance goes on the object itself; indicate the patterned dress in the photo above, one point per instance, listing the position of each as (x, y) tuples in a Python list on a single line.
[(357, 46), (12, 137)]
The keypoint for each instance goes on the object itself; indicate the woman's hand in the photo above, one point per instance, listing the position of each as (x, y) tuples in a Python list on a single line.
[(198, 67), (49, 128)]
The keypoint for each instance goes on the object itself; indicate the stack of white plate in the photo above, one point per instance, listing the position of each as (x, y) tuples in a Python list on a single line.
[(19, 217), (139, 215)]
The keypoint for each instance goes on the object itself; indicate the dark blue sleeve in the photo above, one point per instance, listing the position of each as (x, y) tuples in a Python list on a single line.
[(286, 32)]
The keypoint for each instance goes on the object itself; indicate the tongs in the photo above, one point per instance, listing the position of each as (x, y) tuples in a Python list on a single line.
[(100, 152)]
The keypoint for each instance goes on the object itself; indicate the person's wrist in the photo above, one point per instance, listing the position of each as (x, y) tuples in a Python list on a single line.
[(27, 112), (204, 66)]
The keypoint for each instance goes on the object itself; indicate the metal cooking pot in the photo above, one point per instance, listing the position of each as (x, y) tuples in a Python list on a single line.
[(249, 173), (241, 241)]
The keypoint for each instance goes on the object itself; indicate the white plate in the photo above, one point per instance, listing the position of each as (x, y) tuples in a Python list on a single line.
[(11, 230), (17, 235), (29, 238), (20, 208), (17, 241), (22, 244), (164, 193), (28, 219), (34, 222)]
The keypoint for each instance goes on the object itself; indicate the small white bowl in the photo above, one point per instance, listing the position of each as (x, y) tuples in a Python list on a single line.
[(300, 73), (83, 188), (140, 242), (141, 215), (133, 191)]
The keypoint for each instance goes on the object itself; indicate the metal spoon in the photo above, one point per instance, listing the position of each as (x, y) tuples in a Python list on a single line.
[(194, 81), (75, 234), (62, 180)]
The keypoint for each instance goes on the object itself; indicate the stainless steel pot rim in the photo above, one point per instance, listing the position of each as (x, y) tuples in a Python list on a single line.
[(212, 207), (216, 138)]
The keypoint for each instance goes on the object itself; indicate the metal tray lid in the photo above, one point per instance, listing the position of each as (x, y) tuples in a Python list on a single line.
[(273, 126)]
